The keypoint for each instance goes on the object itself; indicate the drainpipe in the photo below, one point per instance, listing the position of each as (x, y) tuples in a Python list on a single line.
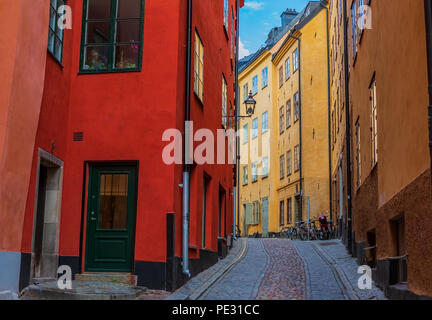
[(329, 117), (428, 21), (300, 120), (237, 150), (187, 161), (348, 128)]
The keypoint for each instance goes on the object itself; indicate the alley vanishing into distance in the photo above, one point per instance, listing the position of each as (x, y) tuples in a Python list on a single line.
[(279, 269)]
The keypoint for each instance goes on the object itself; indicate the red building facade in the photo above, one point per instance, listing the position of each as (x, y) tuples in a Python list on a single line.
[(100, 197)]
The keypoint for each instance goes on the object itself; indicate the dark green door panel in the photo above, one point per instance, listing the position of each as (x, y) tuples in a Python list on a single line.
[(111, 214)]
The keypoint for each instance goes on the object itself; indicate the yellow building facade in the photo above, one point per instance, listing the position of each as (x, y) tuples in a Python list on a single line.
[(287, 163), (301, 151), (255, 141)]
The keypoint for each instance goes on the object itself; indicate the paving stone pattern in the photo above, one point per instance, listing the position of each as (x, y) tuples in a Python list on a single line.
[(285, 276)]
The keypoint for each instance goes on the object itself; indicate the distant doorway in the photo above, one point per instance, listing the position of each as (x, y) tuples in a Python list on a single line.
[(265, 217), (46, 222)]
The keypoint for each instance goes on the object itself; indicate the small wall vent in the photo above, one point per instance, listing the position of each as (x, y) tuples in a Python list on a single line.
[(78, 136)]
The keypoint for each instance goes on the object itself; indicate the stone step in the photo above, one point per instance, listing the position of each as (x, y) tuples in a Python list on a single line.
[(82, 290), (110, 277)]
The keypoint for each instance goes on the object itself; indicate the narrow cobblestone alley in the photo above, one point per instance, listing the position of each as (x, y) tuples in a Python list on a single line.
[(277, 269)]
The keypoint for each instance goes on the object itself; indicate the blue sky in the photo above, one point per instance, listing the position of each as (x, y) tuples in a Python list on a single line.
[(258, 17)]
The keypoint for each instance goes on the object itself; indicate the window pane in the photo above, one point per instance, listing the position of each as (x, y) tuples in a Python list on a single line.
[(54, 3), (113, 201), (58, 49), (98, 32), (51, 41), (96, 58), (128, 8), (128, 31), (98, 9), (52, 21), (126, 56)]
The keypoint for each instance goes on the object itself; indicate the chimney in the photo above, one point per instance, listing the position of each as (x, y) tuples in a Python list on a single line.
[(287, 16)]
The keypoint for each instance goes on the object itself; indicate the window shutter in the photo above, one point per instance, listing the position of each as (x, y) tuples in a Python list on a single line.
[(248, 214)]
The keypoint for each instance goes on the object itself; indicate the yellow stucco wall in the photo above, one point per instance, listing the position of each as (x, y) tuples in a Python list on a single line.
[(314, 113), (315, 150), (256, 148)]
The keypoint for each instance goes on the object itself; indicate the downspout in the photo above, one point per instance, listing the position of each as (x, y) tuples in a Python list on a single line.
[(300, 120), (428, 22), (187, 162), (237, 153), (348, 128), (329, 117)]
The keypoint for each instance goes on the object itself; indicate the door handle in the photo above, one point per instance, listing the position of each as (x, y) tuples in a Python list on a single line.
[(93, 219)]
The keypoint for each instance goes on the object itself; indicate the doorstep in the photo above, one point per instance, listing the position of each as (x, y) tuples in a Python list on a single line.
[(109, 277), (82, 290)]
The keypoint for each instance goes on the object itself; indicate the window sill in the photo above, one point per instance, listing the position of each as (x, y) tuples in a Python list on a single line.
[(55, 59), (82, 72), (199, 99), (225, 28), (264, 177), (264, 87)]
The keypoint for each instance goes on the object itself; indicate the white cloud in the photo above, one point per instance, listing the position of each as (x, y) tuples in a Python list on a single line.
[(243, 52), (254, 5)]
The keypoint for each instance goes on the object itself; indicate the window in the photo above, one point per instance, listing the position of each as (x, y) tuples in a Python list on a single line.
[(230, 117), (296, 107), (224, 102), (232, 47), (55, 34), (361, 16), (354, 28), (281, 120), (264, 167), (254, 172), (282, 167), (289, 210), (255, 213), (288, 114), (287, 69), (357, 152), (245, 91), (255, 85), (280, 77), (245, 133), (112, 35), (265, 77), (281, 213), (264, 122), (254, 128), (289, 163), (295, 60), (296, 158), (245, 175), (199, 68), (374, 130), (226, 15)]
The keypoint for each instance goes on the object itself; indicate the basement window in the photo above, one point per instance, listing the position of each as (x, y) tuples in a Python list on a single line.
[(112, 35)]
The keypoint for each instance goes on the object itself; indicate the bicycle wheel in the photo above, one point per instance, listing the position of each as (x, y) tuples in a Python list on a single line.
[(294, 234), (302, 235)]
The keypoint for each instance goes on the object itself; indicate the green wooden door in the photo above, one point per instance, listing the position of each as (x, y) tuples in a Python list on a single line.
[(111, 217)]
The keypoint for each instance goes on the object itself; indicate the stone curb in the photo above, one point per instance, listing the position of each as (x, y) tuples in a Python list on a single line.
[(308, 293), (340, 276), (260, 279), (197, 293)]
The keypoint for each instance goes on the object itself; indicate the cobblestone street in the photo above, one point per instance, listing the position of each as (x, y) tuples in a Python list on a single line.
[(276, 269)]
